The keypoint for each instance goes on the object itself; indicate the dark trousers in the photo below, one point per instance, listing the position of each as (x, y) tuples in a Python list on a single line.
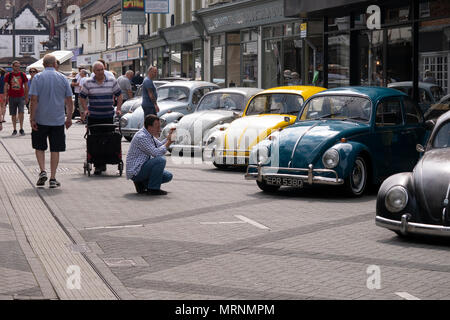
[(76, 109), (148, 110), (94, 130)]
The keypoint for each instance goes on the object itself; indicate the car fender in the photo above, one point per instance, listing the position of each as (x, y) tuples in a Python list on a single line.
[(165, 131), (348, 151), (172, 116), (404, 179)]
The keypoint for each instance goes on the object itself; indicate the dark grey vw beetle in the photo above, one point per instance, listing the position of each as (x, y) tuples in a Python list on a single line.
[(418, 202)]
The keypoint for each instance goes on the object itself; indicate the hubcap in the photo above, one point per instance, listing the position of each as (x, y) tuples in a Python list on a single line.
[(358, 176)]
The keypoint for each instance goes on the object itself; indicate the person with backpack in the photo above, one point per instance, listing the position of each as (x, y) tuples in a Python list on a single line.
[(16, 92)]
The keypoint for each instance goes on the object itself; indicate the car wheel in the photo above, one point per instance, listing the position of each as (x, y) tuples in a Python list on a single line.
[(128, 138), (266, 187), (357, 181)]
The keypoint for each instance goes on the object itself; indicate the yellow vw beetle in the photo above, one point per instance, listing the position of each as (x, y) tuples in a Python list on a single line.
[(272, 109)]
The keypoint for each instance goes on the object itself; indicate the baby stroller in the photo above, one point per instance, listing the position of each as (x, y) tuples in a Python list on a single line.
[(103, 146)]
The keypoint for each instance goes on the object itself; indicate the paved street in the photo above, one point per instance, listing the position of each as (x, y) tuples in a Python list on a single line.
[(214, 236)]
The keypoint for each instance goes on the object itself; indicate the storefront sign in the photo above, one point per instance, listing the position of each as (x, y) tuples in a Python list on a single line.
[(76, 53), (133, 54), (87, 60), (188, 32), (156, 6), (133, 12), (122, 55), (244, 17), (109, 57), (303, 30), (374, 20)]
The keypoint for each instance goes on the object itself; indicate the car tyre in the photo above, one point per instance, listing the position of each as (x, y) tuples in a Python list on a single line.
[(266, 187), (220, 166), (356, 183)]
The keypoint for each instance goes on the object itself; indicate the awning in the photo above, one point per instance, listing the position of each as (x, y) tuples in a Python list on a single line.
[(61, 55)]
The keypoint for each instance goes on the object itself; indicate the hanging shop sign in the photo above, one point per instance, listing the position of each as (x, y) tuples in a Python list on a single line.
[(374, 20), (133, 12), (156, 6), (134, 54), (109, 57), (122, 55)]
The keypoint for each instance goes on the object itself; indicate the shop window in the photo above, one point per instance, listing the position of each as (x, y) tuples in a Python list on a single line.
[(338, 60), (399, 60), (267, 32), (272, 63), (339, 24), (218, 65), (371, 55), (396, 15)]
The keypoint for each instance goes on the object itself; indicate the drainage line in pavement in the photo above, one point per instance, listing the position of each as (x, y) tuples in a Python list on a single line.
[(60, 223)]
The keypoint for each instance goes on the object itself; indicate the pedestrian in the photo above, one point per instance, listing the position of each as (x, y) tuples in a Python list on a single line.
[(50, 94), (124, 82), (145, 159), (108, 74), (2, 98), (16, 89), (32, 72), (100, 91), (429, 77), (149, 93), (82, 79), (137, 79), (76, 92)]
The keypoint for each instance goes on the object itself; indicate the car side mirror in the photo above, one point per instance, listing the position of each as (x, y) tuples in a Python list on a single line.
[(420, 148), (429, 124)]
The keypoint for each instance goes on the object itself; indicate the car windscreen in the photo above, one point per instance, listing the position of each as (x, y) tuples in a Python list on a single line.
[(442, 138), (275, 103), (337, 107), (175, 93), (222, 101)]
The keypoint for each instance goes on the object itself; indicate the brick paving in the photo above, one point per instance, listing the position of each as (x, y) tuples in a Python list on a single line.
[(190, 244)]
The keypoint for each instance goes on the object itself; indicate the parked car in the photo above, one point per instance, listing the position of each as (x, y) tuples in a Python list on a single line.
[(132, 104), (438, 109), (348, 136), (418, 202), (177, 98), (216, 108), (267, 111), (429, 93)]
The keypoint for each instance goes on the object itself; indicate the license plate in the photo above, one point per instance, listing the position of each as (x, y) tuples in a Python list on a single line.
[(285, 181)]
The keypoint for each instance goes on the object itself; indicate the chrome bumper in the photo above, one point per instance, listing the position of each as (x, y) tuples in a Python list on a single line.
[(186, 148), (127, 132), (310, 178), (217, 155), (405, 227)]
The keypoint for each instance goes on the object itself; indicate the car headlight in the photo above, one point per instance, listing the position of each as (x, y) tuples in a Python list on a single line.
[(163, 122), (396, 199), (123, 122), (330, 158), (210, 140)]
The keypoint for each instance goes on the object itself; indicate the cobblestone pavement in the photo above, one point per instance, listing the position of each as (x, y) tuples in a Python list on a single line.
[(198, 242)]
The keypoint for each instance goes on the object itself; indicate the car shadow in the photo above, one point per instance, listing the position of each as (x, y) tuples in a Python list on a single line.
[(418, 241)]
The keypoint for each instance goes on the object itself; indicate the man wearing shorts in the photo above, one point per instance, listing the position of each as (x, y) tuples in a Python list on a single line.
[(50, 93), (2, 97), (16, 88)]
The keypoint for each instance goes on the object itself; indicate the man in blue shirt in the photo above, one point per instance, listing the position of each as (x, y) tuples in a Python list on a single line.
[(149, 94), (49, 92), (145, 158)]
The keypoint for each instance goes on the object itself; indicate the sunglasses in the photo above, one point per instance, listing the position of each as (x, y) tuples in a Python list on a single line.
[(33, 71)]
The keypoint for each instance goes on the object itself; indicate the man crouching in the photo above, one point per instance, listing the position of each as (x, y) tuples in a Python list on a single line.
[(145, 158)]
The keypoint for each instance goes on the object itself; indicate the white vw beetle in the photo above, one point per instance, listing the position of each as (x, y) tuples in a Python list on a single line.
[(216, 108), (174, 99)]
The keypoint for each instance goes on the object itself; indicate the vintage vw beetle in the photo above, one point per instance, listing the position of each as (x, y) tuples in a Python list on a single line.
[(418, 202), (344, 136), (267, 111), (216, 108), (175, 99)]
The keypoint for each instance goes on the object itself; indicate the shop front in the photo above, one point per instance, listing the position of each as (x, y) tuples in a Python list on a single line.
[(382, 42), (252, 44), (124, 59), (177, 51), (87, 60)]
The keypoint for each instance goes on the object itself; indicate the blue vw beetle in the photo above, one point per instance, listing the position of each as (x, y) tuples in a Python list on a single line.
[(346, 136)]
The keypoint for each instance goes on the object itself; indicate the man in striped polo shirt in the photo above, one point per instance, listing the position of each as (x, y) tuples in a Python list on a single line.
[(99, 90)]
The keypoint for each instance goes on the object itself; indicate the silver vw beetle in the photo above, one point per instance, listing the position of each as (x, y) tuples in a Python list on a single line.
[(174, 99), (214, 109)]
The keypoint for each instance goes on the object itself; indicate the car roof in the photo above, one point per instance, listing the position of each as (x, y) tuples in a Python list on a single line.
[(373, 93), (409, 84), (240, 90), (189, 84), (309, 90)]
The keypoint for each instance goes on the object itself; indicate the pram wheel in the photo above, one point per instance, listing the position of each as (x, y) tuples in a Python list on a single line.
[(120, 167)]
